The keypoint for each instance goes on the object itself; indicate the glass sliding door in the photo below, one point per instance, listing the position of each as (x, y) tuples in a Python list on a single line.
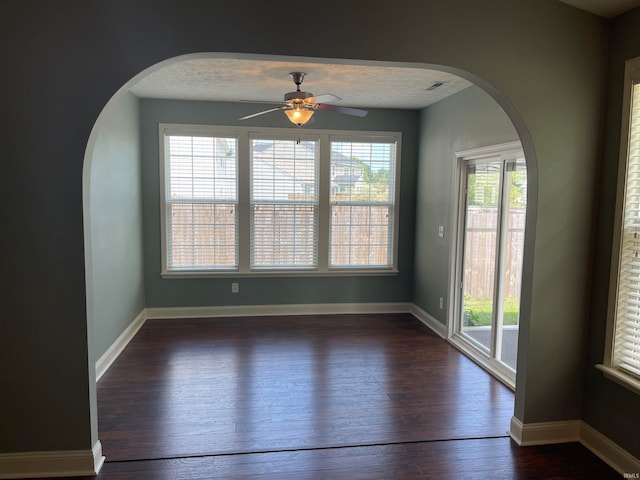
[(481, 235), (491, 241), (514, 207)]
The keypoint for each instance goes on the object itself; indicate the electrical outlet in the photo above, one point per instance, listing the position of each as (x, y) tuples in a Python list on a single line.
[(235, 288), (441, 233), (441, 303)]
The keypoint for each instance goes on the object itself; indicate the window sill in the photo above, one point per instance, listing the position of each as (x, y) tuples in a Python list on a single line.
[(622, 379), (282, 274)]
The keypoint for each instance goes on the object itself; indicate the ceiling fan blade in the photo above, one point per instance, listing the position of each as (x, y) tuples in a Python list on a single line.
[(267, 102), (261, 113), (346, 110), (324, 98)]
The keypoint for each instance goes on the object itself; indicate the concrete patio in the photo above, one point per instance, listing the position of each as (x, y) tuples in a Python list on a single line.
[(509, 341)]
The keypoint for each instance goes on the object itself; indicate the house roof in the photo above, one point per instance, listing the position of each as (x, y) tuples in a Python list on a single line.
[(346, 179)]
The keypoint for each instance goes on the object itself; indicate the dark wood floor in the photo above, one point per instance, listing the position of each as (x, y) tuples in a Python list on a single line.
[(340, 397)]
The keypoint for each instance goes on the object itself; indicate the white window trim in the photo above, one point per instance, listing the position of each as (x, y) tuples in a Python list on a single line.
[(503, 150), (632, 75), (364, 138), (168, 129), (243, 171)]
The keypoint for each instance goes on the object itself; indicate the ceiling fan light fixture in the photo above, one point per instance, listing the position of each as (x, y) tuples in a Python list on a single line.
[(299, 116), (299, 106)]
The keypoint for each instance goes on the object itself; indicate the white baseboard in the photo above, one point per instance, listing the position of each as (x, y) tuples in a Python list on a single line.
[(544, 433), (270, 310), (438, 328), (66, 463), (609, 452), (105, 361), (515, 430)]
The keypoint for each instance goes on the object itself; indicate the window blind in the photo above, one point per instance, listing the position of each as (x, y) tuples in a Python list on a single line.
[(201, 202), (626, 348), (362, 203), (284, 203), (240, 200)]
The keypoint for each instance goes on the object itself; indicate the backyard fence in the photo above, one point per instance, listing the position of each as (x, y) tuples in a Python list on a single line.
[(480, 248), (204, 235)]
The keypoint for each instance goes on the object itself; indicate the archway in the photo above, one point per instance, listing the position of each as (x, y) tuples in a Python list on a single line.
[(115, 135)]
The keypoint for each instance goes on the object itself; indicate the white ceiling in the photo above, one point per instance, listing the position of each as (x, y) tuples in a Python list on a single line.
[(604, 8), (231, 80)]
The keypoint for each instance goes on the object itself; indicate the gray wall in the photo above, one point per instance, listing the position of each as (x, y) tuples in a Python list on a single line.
[(610, 408), (115, 283), (469, 119), (543, 60), (273, 290)]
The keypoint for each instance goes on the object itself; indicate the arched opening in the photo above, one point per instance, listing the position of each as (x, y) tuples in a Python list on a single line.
[(118, 212)]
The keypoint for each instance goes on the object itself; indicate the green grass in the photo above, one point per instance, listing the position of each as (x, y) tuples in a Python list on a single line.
[(477, 311)]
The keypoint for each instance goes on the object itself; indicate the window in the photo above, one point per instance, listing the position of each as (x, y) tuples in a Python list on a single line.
[(284, 203), (362, 203), (201, 203), (269, 201), (622, 362)]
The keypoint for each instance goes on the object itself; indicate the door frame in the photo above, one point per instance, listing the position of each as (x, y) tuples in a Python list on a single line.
[(493, 366)]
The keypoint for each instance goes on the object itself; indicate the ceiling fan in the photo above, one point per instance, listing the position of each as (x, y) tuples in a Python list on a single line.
[(300, 106)]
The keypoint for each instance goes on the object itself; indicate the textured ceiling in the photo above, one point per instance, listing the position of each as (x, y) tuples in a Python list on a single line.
[(231, 80)]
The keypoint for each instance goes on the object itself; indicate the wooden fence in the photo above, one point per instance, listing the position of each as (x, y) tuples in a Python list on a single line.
[(204, 235), (480, 248)]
